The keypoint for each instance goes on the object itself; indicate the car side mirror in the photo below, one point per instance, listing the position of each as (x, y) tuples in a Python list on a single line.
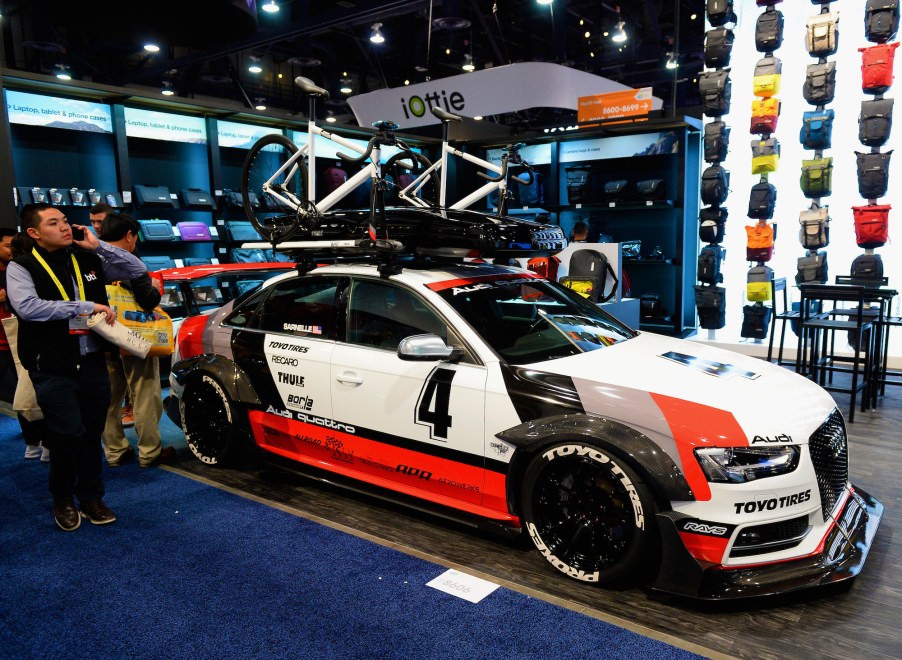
[(426, 347)]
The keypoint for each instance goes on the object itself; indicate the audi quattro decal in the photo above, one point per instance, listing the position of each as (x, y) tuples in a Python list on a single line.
[(300, 372)]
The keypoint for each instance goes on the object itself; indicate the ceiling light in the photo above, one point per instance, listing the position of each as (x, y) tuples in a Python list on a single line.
[(672, 61), (151, 48), (167, 89), (619, 35), (255, 68), (587, 34), (260, 103), (331, 118), (406, 82), (63, 72), (544, 2), (376, 35), (345, 85), (693, 16), (478, 118), (468, 63), (270, 7)]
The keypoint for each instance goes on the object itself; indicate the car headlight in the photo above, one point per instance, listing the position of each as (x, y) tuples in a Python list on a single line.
[(742, 464)]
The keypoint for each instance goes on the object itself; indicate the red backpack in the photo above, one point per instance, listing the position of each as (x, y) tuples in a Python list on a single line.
[(871, 225), (877, 67), (544, 267)]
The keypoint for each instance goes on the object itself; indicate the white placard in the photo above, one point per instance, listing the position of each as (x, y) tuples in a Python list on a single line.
[(468, 587)]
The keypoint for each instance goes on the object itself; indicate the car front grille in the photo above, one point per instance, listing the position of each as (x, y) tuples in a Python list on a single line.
[(771, 537), (830, 454)]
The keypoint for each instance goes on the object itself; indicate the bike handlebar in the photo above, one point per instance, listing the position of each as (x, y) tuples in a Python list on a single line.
[(310, 88)]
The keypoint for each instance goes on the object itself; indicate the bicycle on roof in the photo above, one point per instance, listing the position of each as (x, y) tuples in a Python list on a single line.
[(284, 185)]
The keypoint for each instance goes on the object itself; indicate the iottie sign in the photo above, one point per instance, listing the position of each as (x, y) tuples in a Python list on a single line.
[(417, 107)]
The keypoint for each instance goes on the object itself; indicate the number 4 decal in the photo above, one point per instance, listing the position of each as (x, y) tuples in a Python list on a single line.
[(432, 406)]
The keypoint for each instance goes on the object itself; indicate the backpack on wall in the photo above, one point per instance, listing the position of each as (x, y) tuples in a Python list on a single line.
[(715, 88), (814, 230), (765, 113), (875, 122), (765, 155), (716, 141), (760, 242), (712, 224), (877, 68), (817, 177), (867, 267), (720, 12), (718, 46), (817, 129), (820, 83), (822, 34), (759, 283), (871, 225), (715, 185), (873, 173), (755, 321), (766, 81), (812, 269), (881, 20), (769, 30), (762, 201), (709, 260), (711, 305)]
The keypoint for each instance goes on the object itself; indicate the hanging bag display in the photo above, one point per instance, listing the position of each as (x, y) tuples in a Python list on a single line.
[(762, 201), (817, 177), (615, 191), (718, 46), (755, 321), (871, 225), (875, 122), (877, 68), (651, 190), (716, 141), (760, 242), (759, 283), (709, 260), (715, 88), (769, 30), (814, 230), (868, 267), (822, 34), (820, 83), (152, 326), (817, 129), (577, 185), (873, 173), (720, 12), (881, 20), (715, 185), (712, 224), (766, 81), (765, 155), (765, 113), (812, 269), (711, 305)]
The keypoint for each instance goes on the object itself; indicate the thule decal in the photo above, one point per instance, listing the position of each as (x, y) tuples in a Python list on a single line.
[(290, 379)]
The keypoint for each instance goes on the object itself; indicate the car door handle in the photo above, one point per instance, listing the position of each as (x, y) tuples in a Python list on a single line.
[(349, 378)]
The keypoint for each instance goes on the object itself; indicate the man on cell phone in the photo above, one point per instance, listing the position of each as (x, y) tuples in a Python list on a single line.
[(55, 290)]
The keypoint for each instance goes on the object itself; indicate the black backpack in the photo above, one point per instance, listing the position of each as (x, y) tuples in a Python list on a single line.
[(875, 122), (873, 174), (720, 12), (716, 141), (709, 260), (755, 321), (715, 185), (712, 224), (812, 269), (718, 46), (867, 267), (820, 83), (715, 88), (769, 30), (711, 305), (592, 267), (762, 201), (881, 20)]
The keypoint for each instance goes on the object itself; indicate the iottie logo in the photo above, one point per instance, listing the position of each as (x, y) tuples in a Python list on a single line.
[(417, 106)]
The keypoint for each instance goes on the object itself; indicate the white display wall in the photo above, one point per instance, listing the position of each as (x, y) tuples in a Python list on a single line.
[(790, 200)]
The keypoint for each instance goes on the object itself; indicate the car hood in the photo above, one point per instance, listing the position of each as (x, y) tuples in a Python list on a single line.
[(656, 381)]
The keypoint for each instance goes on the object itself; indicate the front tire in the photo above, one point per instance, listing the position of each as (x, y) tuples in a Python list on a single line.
[(210, 423), (588, 513)]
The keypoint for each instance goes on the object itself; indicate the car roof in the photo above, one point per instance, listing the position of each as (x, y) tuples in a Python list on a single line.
[(191, 273), (428, 274)]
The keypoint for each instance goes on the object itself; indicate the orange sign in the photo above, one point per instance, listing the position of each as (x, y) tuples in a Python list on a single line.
[(614, 105)]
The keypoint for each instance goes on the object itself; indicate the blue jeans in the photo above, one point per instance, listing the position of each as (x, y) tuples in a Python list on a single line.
[(74, 404)]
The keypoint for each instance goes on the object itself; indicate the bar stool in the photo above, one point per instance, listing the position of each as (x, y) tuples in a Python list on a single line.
[(816, 358), (783, 316)]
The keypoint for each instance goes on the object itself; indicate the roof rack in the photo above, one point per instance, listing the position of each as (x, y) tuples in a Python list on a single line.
[(382, 252)]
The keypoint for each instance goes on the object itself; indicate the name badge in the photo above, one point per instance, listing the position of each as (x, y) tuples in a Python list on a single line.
[(79, 325)]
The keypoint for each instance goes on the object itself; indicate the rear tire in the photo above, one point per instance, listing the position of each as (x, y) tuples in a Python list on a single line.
[(274, 219), (412, 164), (588, 513), (210, 423)]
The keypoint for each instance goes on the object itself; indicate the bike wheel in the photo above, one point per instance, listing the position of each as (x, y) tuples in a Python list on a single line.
[(269, 203), (402, 169)]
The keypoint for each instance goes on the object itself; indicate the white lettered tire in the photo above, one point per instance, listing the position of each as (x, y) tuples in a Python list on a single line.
[(209, 422)]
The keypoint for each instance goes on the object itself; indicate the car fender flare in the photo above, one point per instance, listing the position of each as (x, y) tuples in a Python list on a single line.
[(666, 478), (232, 378)]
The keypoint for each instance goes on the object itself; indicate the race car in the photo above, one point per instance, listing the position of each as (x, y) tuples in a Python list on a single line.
[(490, 393)]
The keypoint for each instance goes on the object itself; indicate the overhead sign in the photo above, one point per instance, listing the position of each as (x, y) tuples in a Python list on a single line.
[(483, 93), (615, 105), (243, 136), (164, 126), (53, 112)]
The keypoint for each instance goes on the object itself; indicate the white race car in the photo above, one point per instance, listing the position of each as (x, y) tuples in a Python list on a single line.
[(507, 399)]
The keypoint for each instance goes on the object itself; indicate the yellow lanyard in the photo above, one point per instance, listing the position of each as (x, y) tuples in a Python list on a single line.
[(81, 286)]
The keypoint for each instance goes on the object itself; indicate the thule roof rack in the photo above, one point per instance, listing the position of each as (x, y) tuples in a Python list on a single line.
[(383, 253)]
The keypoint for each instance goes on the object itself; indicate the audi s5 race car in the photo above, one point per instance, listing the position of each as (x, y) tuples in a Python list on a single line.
[(508, 399)]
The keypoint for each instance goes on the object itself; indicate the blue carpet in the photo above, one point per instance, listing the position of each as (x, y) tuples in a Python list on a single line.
[(192, 571)]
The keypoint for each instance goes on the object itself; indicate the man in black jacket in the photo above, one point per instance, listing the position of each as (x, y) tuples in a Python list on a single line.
[(139, 376), (54, 290)]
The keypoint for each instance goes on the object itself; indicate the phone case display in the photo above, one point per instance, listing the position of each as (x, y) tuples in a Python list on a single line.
[(881, 22), (715, 88)]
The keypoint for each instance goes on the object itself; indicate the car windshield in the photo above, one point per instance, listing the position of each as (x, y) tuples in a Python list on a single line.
[(532, 320)]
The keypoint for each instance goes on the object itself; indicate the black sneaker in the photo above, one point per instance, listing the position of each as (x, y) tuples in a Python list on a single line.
[(97, 512)]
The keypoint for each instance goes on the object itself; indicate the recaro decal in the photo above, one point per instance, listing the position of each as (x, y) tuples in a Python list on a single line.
[(719, 369)]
